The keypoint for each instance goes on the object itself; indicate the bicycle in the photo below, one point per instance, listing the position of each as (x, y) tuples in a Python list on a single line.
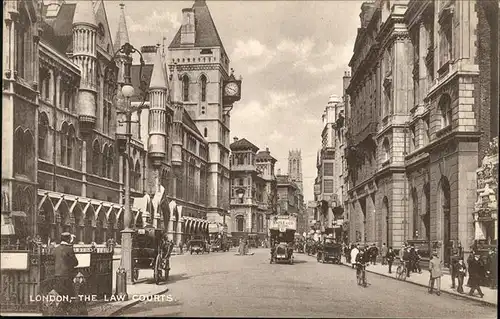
[(401, 271), (361, 275)]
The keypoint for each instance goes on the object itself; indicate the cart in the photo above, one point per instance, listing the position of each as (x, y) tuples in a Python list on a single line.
[(151, 250)]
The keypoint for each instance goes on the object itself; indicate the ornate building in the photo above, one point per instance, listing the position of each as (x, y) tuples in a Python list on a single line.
[(202, 65), (329, 183), (64, 161), (416, 134), (252, 177)]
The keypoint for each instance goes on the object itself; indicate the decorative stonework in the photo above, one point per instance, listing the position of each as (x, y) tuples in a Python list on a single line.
[(486, 206)]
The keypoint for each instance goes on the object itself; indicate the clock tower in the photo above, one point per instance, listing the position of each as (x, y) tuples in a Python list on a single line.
[(207, 89)]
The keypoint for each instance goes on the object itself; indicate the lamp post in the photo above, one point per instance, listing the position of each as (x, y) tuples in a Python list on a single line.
[(127, 91)]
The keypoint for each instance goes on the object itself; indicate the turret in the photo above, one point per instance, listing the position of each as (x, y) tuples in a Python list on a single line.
[(84, 55), (158, 93)]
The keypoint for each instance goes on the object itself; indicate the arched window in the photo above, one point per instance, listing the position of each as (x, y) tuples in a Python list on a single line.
[(240, 223), (185, 88), (137, 176), (191, 186), (96, 155), (70, 144), (19, 152), (203, 80), (445, 109), (64, 141), (43, 129), (109, 165), (386, 149), (105, 160)]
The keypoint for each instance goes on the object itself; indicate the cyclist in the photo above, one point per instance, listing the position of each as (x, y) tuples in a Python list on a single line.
[(362, 258)]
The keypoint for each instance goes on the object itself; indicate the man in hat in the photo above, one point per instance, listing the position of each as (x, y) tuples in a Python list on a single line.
[(65, 263), (435, 269)]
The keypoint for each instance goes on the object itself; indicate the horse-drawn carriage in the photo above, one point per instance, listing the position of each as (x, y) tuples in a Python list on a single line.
[(282, 231), (151, 249)]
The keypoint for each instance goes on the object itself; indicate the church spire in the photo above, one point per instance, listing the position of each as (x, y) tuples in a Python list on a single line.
[(158, 79), (122, 33)]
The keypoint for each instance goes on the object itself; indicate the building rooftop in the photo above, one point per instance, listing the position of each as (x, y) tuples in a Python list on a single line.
[(242, 144)]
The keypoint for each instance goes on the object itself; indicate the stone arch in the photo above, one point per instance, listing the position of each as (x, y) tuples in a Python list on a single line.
[(138, 220), (79, 221), (426, 211), (415, 215), (445, 110), (444, 217), (23, 201), (101, 226), (388, 221), (90, 223), (46, 220), (240, 223), (66, 218)]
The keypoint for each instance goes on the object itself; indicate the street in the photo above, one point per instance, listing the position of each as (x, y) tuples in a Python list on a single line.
[(223, 284)]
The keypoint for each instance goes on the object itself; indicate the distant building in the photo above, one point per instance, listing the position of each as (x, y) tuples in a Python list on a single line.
[(252, 178)]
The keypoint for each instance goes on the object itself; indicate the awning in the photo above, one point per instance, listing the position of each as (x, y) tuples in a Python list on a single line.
[(142, 204), (157, 200)]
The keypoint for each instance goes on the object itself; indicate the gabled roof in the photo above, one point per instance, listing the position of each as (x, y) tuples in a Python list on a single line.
[(243, 144), (188, 121), (102, 18), (58, 31), (206, 34), (265, 155)]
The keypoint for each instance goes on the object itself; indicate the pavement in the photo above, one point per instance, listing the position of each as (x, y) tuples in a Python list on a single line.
[(490, 295), (222, 284)]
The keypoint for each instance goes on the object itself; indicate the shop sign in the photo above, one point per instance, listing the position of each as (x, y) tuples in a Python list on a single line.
[(14, 261)]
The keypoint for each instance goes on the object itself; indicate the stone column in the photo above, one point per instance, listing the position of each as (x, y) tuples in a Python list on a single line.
[(58, 91), (422, 70), (83, 157)]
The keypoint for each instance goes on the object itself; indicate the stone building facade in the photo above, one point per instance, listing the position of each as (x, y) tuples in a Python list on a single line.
[(329, 191), (415, 134), (253, 186), (63, 161)]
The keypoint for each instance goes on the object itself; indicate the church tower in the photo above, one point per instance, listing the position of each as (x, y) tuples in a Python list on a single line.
[(295, 167), (199, 66)]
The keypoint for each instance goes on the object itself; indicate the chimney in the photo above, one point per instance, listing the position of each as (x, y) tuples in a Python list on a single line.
[(187, 28), (235, 139), (148, 53), (346, 79), (367, 9)]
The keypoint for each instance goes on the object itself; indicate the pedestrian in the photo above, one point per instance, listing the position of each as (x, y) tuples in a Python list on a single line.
[(493, 268), (413, 258), (406, 260), (65, 263), (383, 254), (374, 254), (461, 273), (456, 255), (417, 262), (348, 253), (435, 270), (469, 261), (476, 274), (354, 253), (390, 256)]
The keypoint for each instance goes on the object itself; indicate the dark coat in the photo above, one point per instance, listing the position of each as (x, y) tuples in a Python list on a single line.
[(413, 255), (65, 261), (390, 256), (476, 271)]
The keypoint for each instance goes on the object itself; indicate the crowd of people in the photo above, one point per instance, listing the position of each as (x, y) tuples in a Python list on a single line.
[(481, 271)]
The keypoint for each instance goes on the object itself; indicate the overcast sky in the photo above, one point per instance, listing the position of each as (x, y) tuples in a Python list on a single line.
[(291, 54)]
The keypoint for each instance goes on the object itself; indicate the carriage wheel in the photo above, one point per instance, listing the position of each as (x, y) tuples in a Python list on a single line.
[(157, 270)]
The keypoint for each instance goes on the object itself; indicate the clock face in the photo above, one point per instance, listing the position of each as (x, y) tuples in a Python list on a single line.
[(231, 89)]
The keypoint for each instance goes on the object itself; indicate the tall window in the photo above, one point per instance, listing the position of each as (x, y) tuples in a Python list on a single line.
[(203, 88), (22, 29), (19, 152), (109, 165), (64, 141), (105, 161), (240, 223), (386, 150), (137, 176), (96, 155), (445, 110), (185, 88), (205, 132), (70, 143), (413, 138), (43, 129), (427, 135)]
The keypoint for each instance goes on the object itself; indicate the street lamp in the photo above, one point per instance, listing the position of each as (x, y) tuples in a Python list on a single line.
[(128, 91)]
